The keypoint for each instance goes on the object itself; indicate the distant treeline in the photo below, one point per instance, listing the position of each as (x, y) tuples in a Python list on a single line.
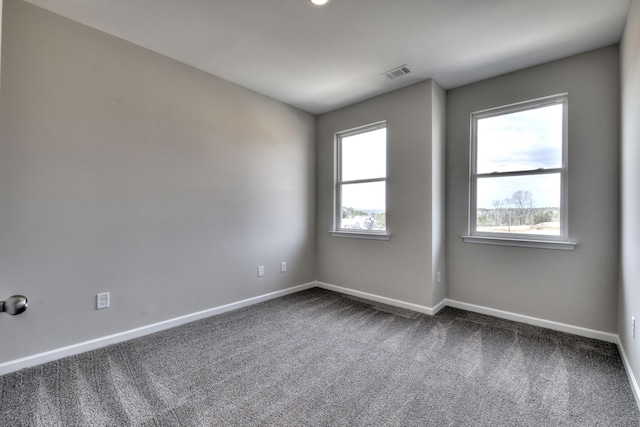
[(379, 218), (515, 216), (517, 210)]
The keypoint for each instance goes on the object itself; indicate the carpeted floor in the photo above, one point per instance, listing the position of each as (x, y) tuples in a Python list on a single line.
[(318, 358)]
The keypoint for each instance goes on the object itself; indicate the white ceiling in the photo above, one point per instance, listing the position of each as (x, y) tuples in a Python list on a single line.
[(323, 58)]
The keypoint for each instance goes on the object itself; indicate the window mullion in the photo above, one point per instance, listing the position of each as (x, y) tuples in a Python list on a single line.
[(363, 181), (520, 173)]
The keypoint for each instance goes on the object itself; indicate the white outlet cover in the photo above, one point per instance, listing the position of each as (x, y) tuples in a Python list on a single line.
[(102, 301)]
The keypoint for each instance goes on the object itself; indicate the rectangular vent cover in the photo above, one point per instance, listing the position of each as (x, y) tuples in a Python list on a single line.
[(397, 72)]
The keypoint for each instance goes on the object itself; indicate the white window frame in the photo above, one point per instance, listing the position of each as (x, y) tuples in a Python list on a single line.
[(338, 183), (560, 241)]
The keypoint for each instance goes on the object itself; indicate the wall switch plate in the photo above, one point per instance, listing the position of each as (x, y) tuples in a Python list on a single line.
[(283, 267), (102, 301), (260, 270)]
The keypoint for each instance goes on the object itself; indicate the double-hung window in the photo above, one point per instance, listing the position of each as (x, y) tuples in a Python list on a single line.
[(518, 175), (360, 182)]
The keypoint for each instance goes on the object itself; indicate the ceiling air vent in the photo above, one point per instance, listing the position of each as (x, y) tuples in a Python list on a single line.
[(397, 72)]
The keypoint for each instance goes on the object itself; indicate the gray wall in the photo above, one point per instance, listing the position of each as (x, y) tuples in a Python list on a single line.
[(124, 171), (401, 268), (630, 195), (573, 287)]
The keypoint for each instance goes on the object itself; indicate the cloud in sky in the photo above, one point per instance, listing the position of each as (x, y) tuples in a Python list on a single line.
[(364, 156), (544, 189), (521, 141), (524, 140)]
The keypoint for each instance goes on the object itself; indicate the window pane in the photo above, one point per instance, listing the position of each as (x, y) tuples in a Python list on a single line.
[(524, 140), (522, 204), (363, 206), (364, 155)]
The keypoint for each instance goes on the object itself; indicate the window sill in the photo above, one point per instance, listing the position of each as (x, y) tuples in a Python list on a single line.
[(360, 235), (523, 243)]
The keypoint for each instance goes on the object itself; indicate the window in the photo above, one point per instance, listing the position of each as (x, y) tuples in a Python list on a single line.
[(361, 181), (518, 175)]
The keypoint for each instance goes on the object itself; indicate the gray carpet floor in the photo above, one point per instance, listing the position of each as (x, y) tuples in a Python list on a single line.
[(318, 358)]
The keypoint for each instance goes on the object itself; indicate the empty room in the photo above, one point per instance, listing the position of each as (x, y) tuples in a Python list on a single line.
[(319, 213)]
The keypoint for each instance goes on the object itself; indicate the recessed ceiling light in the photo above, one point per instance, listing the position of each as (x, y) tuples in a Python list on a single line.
[(319, 2)]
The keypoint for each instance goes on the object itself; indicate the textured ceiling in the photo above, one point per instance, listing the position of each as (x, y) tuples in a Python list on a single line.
[(322, 58)]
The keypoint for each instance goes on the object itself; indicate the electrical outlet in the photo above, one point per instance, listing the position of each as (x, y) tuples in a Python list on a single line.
[(283, 267), (438, 277), (102, 301), (633, 327), (260, 270)]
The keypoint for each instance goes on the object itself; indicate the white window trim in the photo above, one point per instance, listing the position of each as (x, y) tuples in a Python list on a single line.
[(369, 235), (522, 242), (337, 203), (512, 239)]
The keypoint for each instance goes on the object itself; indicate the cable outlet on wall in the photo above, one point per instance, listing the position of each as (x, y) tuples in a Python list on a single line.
[(102, 301), (260, 270)]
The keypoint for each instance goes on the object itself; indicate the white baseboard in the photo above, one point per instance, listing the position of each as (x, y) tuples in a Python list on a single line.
[(48, 356), (442, 304), (384, 300), (37, 359), (549, 324), (632, 378)]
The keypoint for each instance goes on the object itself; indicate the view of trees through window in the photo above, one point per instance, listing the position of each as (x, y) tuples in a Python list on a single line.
[(361, 184), (517, 214), (356, 219), (518, 171)]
